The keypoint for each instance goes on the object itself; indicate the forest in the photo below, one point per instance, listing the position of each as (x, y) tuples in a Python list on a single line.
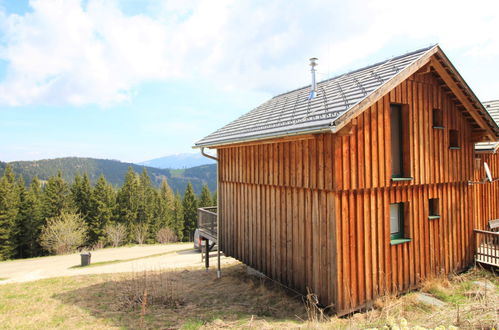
[(113, 170), (55, 216)]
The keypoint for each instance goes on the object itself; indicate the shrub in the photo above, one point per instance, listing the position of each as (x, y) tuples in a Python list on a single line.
[(166, 235), (115, 233), (63, 233), (140, 233)]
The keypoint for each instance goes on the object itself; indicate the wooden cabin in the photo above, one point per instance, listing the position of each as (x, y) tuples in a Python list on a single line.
[(359, 189), (486, 196)]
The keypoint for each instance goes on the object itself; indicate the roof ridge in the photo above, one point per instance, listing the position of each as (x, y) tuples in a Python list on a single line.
[(361, 69)]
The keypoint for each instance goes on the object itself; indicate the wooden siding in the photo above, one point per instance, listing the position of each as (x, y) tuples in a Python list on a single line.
[(486, 196), (315, 212)]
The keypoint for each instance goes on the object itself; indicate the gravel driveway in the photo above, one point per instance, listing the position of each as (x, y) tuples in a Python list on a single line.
[(179, 255)]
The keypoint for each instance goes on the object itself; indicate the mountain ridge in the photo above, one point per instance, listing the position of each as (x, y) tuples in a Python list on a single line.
[(113, 170), (178, 161)]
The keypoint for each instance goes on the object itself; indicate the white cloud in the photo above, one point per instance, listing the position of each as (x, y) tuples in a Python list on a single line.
[(73, 52)]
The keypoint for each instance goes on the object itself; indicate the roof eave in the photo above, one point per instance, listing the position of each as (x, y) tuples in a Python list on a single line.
[(269, 136), (357, 109)]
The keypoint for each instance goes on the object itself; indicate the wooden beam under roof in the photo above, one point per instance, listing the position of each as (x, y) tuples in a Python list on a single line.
[(462, 97), (356, 110)]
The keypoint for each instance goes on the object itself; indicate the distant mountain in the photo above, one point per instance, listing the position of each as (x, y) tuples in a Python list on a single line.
[(113, 170), (179, 161)]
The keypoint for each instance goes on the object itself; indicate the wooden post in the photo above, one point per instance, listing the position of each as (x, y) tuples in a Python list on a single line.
[(207, 252)]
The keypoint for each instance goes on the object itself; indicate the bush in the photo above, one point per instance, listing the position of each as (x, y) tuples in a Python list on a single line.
[(166, 235), (63, 234), (115, 233), (140, 233)]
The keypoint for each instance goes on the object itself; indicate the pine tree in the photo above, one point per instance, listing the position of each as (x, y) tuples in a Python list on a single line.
[(30, 220), (159, 215), (205, 199), (81, 193), (189, 205), (167, 195), (103, 201), (178, 217), (146, 200), (56, 197), (9, 204), (128, 202), (163, 209), (215, 199)]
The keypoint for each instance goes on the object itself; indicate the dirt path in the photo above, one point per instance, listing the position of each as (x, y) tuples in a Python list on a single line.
[(178, 255)]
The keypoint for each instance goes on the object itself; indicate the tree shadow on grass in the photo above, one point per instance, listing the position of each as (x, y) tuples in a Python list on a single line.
[(172, 299)]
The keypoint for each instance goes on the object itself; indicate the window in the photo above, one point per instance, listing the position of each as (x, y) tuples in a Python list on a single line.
[(399, 228), (399, 142), (438, 119), (396, 220), (434, 207), (453, 139)]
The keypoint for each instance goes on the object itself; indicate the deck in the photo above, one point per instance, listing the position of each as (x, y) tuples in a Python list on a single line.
[(207, 225), (487, 247)]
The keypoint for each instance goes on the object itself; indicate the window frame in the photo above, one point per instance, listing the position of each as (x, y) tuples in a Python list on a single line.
[(403, 234), (437, 117), (434, 208), (454, 139), (400, 233), (403, 137)]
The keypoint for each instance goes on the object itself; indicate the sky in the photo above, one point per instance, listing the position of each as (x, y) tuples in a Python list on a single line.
[(134, 80)]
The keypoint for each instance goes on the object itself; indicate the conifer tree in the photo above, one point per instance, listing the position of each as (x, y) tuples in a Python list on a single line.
[(189, 205), (205, 199), (103, 202), (30, 220), (163, 209), (178, 217), (56, 197), (146, 198), (167, 195), (9, 204), (128, 202), (81, 193), (158, 216), (215, 199)]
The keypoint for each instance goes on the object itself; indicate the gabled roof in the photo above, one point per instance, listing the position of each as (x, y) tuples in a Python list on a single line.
[(493, 108), (342, 98)]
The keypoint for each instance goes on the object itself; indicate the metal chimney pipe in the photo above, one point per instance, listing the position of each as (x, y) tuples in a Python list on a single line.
[(313, 91)]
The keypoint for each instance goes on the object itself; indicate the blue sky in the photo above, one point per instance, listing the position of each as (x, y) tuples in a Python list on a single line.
[(134, 80)]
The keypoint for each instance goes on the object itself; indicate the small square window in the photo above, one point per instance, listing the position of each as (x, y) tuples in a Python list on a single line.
[(453, 139), (434, 207), (438, 118)]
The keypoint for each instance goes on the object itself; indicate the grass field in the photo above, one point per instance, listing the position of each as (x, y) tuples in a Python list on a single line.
[(193, 298)]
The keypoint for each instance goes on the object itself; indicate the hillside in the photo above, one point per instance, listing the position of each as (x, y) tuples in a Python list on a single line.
[(113, 170), (178, 161)]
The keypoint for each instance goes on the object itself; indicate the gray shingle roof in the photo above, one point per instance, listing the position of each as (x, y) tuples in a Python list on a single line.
[(293, 113), (493, 108)]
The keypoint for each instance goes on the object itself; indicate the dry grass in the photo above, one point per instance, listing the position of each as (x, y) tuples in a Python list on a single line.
[(193, 298)]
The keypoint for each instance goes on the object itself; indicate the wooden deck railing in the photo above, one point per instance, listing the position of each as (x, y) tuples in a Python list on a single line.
[(207, 221), (487, 247)]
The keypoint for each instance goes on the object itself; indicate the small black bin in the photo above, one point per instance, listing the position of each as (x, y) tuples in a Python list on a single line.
[(85, 259)]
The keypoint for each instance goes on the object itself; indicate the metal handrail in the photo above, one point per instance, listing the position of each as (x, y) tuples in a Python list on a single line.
[(207, 220)]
